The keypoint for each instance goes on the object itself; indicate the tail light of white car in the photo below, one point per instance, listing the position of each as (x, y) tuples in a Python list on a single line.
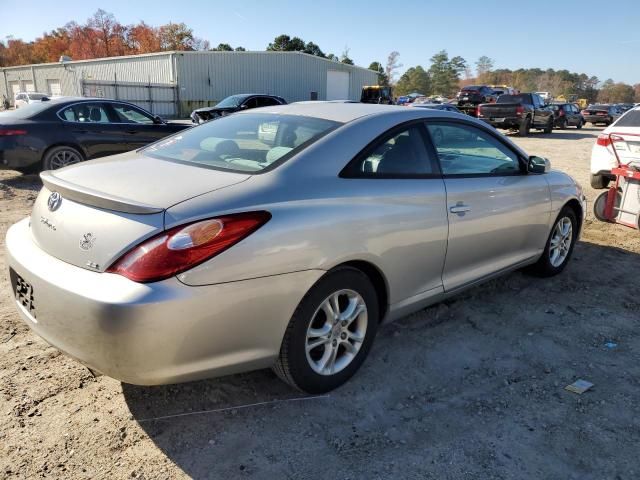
[(181, 248)]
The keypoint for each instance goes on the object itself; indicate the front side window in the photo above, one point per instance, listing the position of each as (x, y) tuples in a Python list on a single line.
[(248, 142), (466, 150), (402, 153), (128, 114), (267, 102), (85, 113)]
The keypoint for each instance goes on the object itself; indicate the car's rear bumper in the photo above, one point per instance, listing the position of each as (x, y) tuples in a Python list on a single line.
[(596, 119), (505, 123), (18, 157), (163, 332)]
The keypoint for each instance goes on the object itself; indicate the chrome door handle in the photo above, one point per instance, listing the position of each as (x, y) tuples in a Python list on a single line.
[(460, 208)]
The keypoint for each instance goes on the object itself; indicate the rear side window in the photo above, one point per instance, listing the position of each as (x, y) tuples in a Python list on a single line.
[(398, 154), (249, 142), (465, 150), (629, 119), (128, 114), (85, 113)]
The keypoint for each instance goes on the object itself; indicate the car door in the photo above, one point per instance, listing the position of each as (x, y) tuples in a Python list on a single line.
[(498, 214), (138, 126), (539, 115), (94, 129), (396, 186)]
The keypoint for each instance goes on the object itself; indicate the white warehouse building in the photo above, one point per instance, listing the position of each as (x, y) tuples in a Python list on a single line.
[(174, 83)]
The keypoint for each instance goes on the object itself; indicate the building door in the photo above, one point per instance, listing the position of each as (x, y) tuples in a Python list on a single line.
[(14, 88), (53, 87), (27, 86), (337, 85)]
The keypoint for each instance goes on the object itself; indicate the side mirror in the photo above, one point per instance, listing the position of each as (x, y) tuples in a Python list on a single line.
[(157, 119), (538, 165), (244, 107)]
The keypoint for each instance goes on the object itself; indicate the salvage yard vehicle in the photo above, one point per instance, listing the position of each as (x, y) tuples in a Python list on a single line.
[(520, 112), (60, 132), (235, 103), (601, 113), (566, 115), (377, 94), (211, 252), (471, 96), (22, 99), (603, 157)]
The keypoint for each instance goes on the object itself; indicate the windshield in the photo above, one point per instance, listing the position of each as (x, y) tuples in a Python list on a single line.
[(232, 101), (242, 143), (26, 111)]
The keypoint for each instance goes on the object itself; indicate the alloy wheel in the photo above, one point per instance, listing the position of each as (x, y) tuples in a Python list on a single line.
[(336, 332), (62, 158), (561, 241)]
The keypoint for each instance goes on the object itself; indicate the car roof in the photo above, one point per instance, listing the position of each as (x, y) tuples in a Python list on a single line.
[(341, 112)]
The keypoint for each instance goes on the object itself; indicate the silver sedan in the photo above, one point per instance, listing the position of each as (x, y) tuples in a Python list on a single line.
[(280, 237)]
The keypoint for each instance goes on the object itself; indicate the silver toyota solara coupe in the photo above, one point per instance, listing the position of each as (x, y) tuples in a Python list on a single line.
[(280, 237)]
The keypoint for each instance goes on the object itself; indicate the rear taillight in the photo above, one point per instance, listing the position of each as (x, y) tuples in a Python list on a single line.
[(584, 112), (186, 246), (10, 132), (478, 112), (605, 139), (519, 110)]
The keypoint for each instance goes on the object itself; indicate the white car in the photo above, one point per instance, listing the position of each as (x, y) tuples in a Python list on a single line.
[(25, 98), (626, 141), (546, 96)]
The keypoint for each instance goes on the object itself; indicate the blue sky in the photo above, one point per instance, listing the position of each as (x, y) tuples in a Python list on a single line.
[(545, 34)]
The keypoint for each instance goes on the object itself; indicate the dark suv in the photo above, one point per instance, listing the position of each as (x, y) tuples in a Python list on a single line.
[(235, 103), (476, 94), (566, 115)]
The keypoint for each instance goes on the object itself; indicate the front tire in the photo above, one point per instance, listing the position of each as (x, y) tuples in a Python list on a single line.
[(330, 333), (59, 157), (559, 247), (549, 127)]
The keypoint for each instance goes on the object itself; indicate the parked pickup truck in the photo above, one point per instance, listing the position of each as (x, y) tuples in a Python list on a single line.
[(520, 112)]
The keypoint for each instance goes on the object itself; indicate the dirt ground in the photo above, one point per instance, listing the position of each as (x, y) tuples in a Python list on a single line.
[(469, 389)]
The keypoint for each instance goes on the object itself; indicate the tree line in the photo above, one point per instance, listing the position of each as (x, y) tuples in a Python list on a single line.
[(445, 76)]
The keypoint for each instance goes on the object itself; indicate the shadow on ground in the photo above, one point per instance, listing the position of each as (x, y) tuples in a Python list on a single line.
[(471, 388)]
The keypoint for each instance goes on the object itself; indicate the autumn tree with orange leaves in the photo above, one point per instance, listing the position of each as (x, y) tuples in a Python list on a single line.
[(100, 36)]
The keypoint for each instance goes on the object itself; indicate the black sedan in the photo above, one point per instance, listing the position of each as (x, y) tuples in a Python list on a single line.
[(566, 115), (235, 103), (447, 107), (53, 134), (601, 113)]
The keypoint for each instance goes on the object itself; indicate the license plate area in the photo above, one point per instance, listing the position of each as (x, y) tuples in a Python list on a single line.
[(498, 119), (23, 292)]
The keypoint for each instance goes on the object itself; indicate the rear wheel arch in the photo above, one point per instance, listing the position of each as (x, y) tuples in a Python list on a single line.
[(64, 144), (376, 277)]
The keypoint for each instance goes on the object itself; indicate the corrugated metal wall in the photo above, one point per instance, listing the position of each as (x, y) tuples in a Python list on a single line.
[(205, 78), (154, 68)]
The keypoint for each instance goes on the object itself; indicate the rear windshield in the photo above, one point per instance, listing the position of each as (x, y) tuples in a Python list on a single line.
[(36, 96), (629, 119), (471, 87), (248, 142), (513, 99), (598, 107), (26, 111)]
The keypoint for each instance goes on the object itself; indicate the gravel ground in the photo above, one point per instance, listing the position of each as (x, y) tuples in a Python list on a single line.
[(469, 389)]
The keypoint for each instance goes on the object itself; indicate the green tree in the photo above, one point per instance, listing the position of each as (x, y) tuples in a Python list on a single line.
[(223, 47), (344, 58), (313, 49), (445, 73), (415, 79), (240, 49), (379, 69), (176, 36)]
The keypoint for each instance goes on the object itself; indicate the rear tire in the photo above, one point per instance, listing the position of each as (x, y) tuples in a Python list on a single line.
[(525, 127), (580, 123), (59, 157), (563, 124), (342, 341), (559, 247), (599, 181), (549, 127)]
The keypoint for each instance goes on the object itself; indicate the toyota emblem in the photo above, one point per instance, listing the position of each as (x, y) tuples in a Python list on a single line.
[(55, 199)]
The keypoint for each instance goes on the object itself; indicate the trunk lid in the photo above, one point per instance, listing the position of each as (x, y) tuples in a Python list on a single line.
[(90, 214)]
